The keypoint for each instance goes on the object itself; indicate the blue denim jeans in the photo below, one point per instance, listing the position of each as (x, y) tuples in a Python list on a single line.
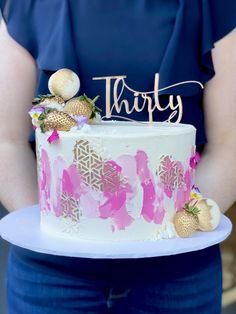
[(187, 283)]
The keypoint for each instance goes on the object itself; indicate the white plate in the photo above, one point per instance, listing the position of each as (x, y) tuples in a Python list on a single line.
[(22, 228)]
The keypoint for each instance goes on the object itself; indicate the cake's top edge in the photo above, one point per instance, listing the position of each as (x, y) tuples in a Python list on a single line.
[(120, 129)]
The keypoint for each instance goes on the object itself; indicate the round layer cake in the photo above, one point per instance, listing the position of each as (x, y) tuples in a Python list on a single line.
[(115, 181)]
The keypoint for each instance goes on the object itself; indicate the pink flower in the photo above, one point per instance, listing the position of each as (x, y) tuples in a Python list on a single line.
[(80, 120), (35, 112), (53, 137), (194, 160), (195, 189)]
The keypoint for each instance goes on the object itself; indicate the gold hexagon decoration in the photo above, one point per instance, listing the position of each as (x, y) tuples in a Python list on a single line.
[(95, 170), (70, 207), (89, 164), (170, 173)]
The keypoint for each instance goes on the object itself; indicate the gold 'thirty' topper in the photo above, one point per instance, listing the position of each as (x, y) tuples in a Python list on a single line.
[(148, 101)]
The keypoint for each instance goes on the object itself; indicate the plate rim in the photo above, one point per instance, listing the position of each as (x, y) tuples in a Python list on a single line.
[(41, 242)]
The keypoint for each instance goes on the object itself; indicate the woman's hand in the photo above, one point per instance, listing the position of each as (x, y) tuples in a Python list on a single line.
[(216, 175), (18, 186)]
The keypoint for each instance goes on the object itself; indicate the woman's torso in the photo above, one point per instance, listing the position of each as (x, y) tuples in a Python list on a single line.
[(136, 38)]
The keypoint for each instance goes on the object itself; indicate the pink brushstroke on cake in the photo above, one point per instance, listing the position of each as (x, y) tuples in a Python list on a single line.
[(67, 186), (160, 209), (44, 181), (128, 165), (183, 192), (115, 205), (147, 184), (115, 208), (159, 215), (59, 164), (194, 160), (53, 137), (127, 173), (71, 182), (89, 202)]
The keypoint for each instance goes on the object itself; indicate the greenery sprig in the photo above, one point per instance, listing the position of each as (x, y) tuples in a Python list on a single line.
[(192, 209), (41, 98), (91, 102)]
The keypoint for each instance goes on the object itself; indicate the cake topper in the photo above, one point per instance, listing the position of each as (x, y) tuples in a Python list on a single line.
[(149, 100), (74, 112), (58, 111)]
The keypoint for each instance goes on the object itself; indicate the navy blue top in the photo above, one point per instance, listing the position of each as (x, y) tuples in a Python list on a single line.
[(136, 38)]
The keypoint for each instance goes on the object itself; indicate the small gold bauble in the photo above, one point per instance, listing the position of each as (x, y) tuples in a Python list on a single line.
[(77, 107), (185, 224), (55, 102), (64, 83), (58, 120), (55, 99)]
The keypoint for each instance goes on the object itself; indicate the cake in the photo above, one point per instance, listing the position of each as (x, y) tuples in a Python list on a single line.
[(111, 180)]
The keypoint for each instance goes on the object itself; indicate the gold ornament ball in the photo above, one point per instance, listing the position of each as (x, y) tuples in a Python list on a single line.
[(185, 224), (77, 107), (64, 83)]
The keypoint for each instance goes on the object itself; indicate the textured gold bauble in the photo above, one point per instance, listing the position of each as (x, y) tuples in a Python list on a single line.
[(185, 224), (58, 120), (55, 102), (55, 99), (77, 107)]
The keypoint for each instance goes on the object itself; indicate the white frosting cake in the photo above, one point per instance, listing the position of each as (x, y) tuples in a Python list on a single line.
[(115, 181)]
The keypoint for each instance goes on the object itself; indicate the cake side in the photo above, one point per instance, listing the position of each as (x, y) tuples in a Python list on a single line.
[(115, 181)]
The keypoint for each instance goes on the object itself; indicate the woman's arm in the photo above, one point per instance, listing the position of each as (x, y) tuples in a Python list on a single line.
[(216, 175), (18, 186)]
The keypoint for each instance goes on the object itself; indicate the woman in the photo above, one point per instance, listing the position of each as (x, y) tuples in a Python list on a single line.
[(179, 39)]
